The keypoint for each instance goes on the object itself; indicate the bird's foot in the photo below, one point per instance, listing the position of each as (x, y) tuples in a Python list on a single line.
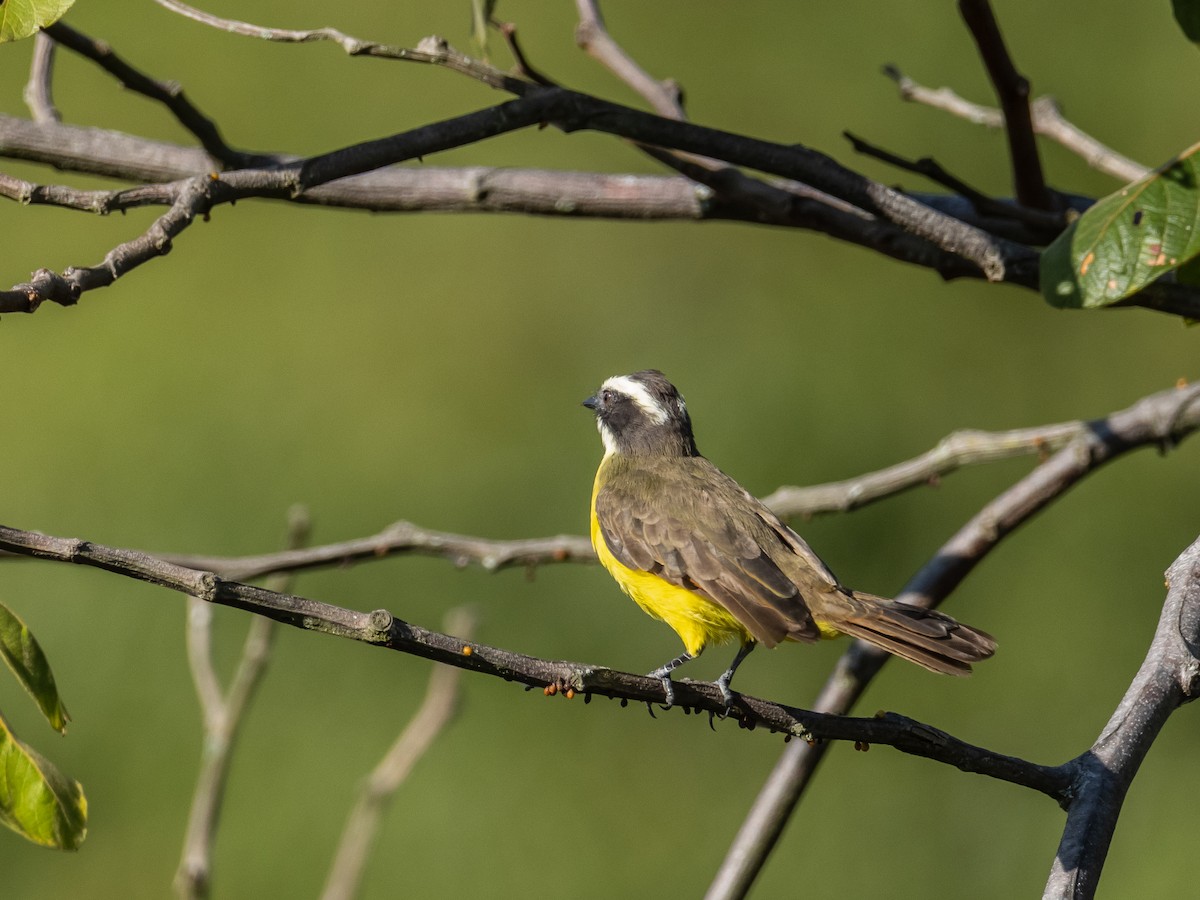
[(727, 693), (663, 674)]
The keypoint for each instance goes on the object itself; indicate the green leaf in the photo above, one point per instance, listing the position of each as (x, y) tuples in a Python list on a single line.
[(27, 661), (1187, 14), (22, 18), (37, 800), (1128, 239)]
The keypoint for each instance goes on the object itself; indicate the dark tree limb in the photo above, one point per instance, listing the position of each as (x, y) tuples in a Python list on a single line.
[(810, 189), (1012, 88), (1047, 225), (169, 94), (1168, 678), (990, 255)]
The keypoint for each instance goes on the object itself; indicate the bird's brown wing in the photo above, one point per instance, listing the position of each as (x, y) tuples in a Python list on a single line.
[(689, 523)]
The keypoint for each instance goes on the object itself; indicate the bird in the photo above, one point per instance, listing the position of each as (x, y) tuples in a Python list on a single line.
[(696, 550)]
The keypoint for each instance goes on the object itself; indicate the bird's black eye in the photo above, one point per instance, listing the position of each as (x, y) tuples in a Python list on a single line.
[(606, 397)]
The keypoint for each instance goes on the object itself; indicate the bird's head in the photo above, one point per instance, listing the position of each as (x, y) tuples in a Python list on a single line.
[(642, 415)]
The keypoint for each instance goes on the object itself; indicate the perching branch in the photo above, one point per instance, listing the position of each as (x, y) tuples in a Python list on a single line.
[(381, 629), (1160, 420)]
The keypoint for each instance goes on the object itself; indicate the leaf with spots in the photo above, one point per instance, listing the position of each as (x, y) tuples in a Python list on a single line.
[(1128, 239), (22, 18)]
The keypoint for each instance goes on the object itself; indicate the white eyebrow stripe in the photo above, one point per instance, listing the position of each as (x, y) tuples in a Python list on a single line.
[(637, 392)]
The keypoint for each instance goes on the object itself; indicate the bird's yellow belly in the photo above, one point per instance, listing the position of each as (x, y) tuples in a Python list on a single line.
[(697, 620)]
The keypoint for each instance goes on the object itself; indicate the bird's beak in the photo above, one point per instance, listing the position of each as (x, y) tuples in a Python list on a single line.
[(591, 403)]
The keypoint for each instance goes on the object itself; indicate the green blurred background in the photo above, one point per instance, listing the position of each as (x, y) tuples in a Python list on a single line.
[(431, 367)]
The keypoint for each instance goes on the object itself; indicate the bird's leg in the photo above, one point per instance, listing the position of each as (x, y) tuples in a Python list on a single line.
[(663, 674), (723, 681)]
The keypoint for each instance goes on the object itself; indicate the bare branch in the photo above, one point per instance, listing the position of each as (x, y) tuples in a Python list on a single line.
[(1168, 678), (222, 715), (961, 448), (993, 257), (381, 629), (1013, 90), (592, 35), (1046, 117), (401, 538), (432, 50), (435, 713), (1161, 419), (38, 90), (814, 191)]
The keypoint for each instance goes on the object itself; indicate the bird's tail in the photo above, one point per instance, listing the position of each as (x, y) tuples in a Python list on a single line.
[(924, 636)]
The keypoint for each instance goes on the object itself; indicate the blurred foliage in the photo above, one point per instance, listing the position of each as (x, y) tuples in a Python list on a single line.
[(431, 368)]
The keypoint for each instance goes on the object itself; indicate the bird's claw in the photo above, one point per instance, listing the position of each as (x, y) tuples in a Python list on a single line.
[(668, 689)]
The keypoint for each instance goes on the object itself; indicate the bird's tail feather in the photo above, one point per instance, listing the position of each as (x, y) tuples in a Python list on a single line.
[(923, 636)]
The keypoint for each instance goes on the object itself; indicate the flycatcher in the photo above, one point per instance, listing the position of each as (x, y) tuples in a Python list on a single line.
[(695, 549)]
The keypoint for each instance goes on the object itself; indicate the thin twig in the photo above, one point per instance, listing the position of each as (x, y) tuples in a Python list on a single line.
[(436, 712), (1048, 224), (169, 94), (959, 449), (1157, 420), (593, 36), (401, 539), (432, 50), (1013, 90), (39, 94), (222, 715), (1047, 120)]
